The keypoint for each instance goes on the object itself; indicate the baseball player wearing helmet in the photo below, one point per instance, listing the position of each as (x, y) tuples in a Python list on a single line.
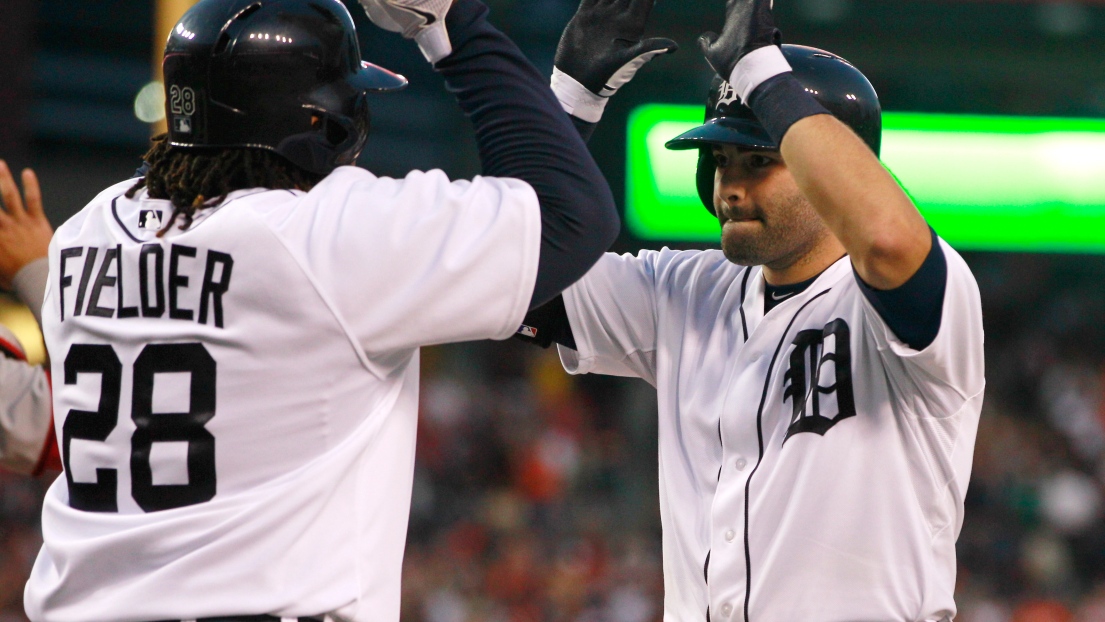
[(235, 336), (819, 378), (27, 442)]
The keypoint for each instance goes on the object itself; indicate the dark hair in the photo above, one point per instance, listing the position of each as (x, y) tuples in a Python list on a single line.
[(193, 179)]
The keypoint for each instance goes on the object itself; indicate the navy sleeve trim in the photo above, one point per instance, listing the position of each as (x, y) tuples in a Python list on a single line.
[(915, 309), (522, 132), (548, 324)]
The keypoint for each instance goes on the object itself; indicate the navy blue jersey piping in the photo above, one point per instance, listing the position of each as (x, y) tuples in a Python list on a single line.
[(759, 459), (720, 440), (209, 211), (744, 284), (115, 213)]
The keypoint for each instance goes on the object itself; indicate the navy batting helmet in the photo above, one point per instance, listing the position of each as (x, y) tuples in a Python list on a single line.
[(282, 75), (833, 81)]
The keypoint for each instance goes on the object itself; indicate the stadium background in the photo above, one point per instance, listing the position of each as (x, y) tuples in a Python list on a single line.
[(535, 494)]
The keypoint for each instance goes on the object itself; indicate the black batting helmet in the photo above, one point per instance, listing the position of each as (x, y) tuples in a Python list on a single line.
[(282, 75), (833, 81)]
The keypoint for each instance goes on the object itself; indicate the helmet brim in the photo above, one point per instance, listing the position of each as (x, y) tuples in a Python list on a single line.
[(376, 79), (724, 131)]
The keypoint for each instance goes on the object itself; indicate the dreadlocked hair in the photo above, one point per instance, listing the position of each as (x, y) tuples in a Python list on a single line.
[(198, 178)]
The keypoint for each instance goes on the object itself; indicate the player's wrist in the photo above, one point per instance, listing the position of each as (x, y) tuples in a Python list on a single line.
[(434, 42), (757, 67), (781, 101), (420, 20), (576, 99)]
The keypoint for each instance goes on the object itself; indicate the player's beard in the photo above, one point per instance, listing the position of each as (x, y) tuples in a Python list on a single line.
[(787, 229)]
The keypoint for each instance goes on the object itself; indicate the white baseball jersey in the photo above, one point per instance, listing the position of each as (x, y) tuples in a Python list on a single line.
[(236, 403), (24, 408), (832, 490)]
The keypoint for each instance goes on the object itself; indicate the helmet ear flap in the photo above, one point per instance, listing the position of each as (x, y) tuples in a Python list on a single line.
[(355, 126), (704, 178), (335, 139)]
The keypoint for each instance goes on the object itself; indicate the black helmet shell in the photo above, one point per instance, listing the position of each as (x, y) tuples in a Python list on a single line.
[(283, 75), (834, 82)]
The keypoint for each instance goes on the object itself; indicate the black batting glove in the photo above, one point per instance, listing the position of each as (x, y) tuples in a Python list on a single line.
[(749, 26), (601, 50)]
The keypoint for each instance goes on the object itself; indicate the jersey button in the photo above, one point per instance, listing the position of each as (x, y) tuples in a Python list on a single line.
[(729, 535), (727, 610), (741, 463)]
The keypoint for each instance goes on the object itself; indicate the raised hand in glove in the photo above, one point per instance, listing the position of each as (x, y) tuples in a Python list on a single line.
[(600, 51), (421, 20), (750, 36)]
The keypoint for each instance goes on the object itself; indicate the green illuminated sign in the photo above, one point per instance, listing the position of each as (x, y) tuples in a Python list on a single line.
[(990, 183)]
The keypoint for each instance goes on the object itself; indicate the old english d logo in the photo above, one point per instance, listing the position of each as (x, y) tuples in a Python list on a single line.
[(809, 364)]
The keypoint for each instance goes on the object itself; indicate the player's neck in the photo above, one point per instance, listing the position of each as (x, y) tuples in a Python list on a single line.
[(806, 264)]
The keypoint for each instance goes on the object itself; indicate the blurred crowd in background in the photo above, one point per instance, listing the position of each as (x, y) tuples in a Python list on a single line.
[(1032, 548)]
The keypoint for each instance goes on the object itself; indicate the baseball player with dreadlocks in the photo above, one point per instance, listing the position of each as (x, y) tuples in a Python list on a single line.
[(819, 377), (235, 336)]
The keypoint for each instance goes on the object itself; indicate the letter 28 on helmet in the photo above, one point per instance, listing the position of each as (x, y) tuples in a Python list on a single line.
[(282, 75), (834, 82)]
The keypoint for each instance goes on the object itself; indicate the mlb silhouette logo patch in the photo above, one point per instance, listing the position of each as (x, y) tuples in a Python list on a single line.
[(527, 331), (149, 220), (183, 125)]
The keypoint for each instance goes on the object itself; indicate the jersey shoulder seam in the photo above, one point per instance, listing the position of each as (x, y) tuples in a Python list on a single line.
[(946, 483), (362, 356), (965, 400)]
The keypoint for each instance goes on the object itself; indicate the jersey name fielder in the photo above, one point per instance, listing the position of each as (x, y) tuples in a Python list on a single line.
[(812, 466), (237, 410)]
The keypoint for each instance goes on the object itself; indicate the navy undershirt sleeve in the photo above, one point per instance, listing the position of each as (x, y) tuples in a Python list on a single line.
[(522, 132), (914, 310), (548, 324), (585, 129)]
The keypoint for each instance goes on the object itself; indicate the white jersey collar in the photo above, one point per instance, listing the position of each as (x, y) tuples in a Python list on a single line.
[(753, 299), (142, 217)]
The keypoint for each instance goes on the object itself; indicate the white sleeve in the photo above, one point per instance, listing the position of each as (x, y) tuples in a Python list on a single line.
[(421, 260), (951, 369), (29, 285), (25, 409), (612, 312)]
